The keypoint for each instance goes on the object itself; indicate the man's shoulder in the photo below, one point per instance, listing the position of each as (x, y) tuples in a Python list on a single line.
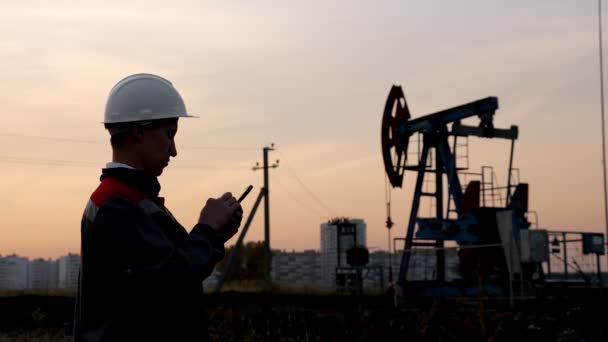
[(111, 187), (115, 196), (111, 193)]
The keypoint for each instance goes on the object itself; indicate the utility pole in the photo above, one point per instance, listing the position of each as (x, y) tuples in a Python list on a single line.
[(268, 280)]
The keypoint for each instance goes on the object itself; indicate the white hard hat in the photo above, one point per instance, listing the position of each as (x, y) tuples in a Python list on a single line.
[(143, 97)]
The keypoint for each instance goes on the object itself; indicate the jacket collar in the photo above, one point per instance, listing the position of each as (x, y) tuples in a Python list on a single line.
[(138, 179)]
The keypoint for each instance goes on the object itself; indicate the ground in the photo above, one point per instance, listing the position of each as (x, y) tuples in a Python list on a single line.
[(236, 316)]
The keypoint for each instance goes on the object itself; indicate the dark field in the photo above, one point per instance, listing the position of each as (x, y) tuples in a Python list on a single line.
[(563, 316)]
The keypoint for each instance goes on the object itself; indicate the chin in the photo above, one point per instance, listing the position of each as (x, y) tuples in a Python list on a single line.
[(157, 171)]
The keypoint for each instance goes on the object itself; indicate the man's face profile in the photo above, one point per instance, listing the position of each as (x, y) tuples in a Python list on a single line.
[(157, 146)]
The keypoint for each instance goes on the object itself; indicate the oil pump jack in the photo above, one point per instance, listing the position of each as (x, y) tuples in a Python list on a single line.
[(466, 221)]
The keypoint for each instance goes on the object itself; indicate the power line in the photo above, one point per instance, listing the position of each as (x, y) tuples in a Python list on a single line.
[(40, 137), (296, 199), (50, 162), (82, 163), (217, 148), (599, 19), (99, 142), (321, 203)]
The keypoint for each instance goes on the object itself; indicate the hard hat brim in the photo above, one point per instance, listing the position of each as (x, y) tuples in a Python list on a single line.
[(157, 118)]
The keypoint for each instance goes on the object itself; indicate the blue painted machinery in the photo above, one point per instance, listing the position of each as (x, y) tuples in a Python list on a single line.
[(468, 219)]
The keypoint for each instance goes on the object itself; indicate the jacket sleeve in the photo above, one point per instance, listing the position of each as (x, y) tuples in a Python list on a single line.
[(130, 242)]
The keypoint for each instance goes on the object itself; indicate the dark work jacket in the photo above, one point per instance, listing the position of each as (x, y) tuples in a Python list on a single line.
[(141, 272)]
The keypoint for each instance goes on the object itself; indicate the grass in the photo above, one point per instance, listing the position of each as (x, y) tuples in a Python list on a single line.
[(257, 286), (311, 313), (38, 292), (36, 335)]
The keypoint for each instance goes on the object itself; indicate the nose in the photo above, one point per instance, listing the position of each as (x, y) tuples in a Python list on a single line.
[(172, 149)]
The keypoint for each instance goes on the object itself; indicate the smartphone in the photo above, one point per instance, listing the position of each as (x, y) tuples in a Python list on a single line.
[(247, 191)]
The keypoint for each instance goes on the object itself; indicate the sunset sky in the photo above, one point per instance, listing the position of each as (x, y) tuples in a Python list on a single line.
[(310, 76)]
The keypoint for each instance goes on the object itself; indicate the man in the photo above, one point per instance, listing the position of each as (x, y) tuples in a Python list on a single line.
[(141, 272)]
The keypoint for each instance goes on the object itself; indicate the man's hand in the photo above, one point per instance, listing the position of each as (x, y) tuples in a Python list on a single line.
[(223, 215)]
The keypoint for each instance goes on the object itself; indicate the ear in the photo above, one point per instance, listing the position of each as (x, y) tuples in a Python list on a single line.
[(136, 132)]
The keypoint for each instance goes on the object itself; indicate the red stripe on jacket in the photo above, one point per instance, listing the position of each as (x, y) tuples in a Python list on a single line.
[(111, 187)]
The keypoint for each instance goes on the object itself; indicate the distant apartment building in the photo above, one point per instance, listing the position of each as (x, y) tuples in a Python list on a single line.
[(21, 273), (42, 274), (423, 264), (297, 268), (14, 272), (329, 248), (376, 272), (68, 267)]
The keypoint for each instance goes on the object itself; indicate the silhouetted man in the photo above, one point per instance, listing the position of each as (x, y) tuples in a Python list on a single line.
[(141, 273)]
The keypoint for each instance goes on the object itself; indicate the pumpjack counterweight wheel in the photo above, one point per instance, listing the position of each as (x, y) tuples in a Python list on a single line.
[(394, 141)]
